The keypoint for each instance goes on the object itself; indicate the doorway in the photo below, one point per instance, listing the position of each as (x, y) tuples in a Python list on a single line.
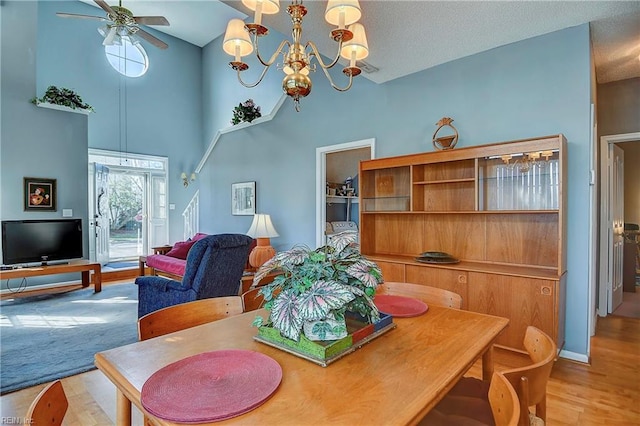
[(611, 231), (337, 175), (127, 206)]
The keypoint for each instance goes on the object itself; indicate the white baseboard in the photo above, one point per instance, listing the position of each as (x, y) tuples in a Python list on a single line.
[(574, 356)]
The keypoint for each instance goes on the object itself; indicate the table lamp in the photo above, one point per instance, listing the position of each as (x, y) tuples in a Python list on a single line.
[(261, 229)]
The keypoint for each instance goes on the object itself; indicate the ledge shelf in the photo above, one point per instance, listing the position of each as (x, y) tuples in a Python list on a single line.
[(63, 108)]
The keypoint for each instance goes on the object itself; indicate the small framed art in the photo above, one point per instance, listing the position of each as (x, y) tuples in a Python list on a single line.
[(39, 194), (243, 198)]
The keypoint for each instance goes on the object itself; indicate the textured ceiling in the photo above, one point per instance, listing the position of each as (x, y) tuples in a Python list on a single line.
[(409, 36)]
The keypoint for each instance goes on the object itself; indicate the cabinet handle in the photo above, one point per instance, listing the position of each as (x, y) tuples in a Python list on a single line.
[(462, 278), (545, 290)]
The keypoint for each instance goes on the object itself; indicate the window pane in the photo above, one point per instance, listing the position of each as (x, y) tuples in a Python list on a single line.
[(128, 59)]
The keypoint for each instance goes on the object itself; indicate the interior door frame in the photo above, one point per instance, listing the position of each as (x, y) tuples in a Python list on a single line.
[(603, 260), (321, 178)]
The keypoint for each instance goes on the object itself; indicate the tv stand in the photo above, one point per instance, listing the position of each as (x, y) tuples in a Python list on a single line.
[(84, 266), (54, 262)]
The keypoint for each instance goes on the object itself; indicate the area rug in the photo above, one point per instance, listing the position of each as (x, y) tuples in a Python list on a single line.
[(48, 337), (121, 265)]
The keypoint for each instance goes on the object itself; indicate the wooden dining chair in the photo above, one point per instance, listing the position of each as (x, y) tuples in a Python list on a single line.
[(186, 315), (501, 407), (529, 382), (429, 295), (49, 407), (252, 300)]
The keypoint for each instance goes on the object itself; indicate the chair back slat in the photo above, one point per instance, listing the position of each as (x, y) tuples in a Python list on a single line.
[(429, 295), (252, 300), (186, 315), (504, 401), (49, 407)]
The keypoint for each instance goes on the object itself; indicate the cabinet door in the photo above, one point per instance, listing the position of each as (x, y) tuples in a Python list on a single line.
[(525, 301), (392, 271), (447, 279)]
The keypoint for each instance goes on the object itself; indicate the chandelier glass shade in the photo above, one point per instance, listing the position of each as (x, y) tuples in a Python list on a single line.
[(241, 39)]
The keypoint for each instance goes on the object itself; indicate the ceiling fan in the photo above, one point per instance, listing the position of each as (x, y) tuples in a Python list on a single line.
[(121, 22)]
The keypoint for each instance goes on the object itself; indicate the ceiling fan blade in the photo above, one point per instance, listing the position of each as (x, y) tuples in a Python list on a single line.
[(151, 20), (75, 15), (151, 39), (103, 4)]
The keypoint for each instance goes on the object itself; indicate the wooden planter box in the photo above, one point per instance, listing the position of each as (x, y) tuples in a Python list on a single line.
[(324, 353)]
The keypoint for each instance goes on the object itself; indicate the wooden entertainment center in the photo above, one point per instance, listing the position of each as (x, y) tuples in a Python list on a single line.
[(84, 266), (498, 208)]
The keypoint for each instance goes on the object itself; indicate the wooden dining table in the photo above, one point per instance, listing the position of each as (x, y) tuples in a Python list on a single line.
[(394, 379)]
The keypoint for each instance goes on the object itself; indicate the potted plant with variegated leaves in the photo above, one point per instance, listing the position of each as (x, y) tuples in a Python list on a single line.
[(316, 288)]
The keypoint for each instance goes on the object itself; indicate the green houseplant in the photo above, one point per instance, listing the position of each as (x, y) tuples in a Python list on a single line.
[(317, 287), (245, 111), (63, 97)]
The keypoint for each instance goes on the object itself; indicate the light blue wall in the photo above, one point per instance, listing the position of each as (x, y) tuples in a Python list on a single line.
[(223, 92), (163, 107), (35, 142), (164, 114), (535, 87)]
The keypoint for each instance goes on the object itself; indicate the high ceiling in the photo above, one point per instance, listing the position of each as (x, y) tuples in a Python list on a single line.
[(409, 36)]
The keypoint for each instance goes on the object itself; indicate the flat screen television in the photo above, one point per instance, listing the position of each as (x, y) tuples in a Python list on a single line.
[(28, 241)]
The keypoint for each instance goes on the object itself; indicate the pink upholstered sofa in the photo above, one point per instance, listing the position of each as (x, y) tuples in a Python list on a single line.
[(171, 260)]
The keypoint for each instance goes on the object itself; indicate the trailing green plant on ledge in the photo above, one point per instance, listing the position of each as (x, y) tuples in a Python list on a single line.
[(63, 97), (245, 111)]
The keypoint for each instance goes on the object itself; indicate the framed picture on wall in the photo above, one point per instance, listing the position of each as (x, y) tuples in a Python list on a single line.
[(39, 194), (243, 198)]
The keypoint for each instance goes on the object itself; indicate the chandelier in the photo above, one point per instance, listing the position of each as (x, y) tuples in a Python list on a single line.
[(241, 40)]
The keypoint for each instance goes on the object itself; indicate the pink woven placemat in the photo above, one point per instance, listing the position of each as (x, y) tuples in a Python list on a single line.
[(211, 386), (400, 306)]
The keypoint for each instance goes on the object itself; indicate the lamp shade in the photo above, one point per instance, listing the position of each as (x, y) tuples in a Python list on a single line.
[(269, 7), (342, 12), (261, 227), (357, 48), (236, 39)]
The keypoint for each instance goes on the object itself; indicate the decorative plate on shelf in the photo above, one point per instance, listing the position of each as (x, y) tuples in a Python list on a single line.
[(434, 254), (440, 260), (436, 257)]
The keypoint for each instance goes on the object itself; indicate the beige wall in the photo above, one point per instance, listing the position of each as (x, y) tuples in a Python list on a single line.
[(341, 165), (631, 181), (618, 112), (619, 107)]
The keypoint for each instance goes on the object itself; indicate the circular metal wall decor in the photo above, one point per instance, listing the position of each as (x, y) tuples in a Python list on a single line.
[(445, 142)]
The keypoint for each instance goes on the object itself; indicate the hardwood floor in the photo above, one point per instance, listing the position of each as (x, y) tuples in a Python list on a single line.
[(605, 392)]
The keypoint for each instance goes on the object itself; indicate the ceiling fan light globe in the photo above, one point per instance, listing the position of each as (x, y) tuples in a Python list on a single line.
[(111, 36)]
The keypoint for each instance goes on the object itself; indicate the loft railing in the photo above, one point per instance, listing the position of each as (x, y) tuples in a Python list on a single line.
[(191, 216)]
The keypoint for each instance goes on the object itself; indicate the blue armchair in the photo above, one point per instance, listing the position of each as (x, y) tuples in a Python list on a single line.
[(214, 269)]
